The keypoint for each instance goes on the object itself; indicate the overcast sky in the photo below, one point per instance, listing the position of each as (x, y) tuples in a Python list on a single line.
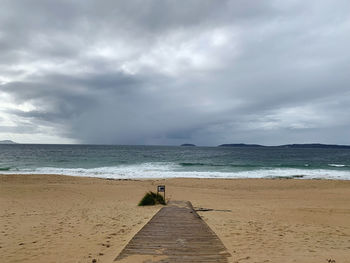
[(170, 72)]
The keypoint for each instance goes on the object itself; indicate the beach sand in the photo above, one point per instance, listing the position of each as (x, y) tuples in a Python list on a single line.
[(55, 218)]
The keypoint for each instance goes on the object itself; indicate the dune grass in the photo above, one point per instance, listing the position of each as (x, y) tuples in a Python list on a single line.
[(151, 198)]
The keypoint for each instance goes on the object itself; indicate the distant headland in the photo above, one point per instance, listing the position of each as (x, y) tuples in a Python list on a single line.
[(306, 145), (7, 142), (241, 145), (188, 144)]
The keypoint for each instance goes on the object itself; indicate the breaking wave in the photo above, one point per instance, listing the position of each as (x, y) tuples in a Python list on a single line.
[(173, 170), (337, 165)]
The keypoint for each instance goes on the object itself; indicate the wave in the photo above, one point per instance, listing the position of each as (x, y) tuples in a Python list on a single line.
[(5, 168), (197, 164), (252, 166), (172, 170), (219, 165), (337, 165)]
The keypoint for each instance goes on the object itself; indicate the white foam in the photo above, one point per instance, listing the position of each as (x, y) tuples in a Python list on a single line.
[(336, 165), (172, 170)]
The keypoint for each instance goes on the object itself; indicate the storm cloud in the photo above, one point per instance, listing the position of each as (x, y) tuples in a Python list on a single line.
[(169, 72)]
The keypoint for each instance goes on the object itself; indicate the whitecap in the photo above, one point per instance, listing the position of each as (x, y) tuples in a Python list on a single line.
[(172, 170), (336, 165)]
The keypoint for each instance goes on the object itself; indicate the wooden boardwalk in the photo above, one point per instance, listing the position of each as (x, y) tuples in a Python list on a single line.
[(175, 234)]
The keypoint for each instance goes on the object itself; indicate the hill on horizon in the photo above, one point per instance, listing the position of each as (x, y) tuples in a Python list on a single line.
[(7, 142), (296, 145)]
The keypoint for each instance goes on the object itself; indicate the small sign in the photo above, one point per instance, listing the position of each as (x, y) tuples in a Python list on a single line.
[(161, 188)]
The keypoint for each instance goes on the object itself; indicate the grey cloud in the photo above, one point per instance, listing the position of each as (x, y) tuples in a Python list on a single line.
[(20, 128), (154, 72)]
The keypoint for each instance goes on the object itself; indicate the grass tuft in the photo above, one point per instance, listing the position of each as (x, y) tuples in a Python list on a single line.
[(152, 198)]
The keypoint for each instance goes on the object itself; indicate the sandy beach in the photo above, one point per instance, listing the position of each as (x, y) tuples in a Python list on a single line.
[(55, 218)]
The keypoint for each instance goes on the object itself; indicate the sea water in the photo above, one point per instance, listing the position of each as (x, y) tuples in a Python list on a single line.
[(129, 162)]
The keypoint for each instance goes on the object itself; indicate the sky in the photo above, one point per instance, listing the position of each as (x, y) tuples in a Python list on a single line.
[(161, 72)]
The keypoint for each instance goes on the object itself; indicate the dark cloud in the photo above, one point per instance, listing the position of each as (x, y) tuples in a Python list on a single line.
[(164, 72)]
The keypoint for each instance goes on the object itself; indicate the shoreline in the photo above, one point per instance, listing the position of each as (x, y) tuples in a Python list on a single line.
[(77, 219), (296, 177)]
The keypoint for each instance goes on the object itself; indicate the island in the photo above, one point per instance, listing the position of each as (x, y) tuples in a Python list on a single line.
[(7, 142), (188, 144), (316, 145), (299, 146), (240, 145)]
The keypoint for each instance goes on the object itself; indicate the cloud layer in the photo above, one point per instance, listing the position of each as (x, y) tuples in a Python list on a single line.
[(164, 72)]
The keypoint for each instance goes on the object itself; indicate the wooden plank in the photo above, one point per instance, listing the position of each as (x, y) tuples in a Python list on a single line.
[(175, 234)]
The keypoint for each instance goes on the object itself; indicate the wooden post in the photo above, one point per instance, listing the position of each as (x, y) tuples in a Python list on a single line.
[(161, 188)]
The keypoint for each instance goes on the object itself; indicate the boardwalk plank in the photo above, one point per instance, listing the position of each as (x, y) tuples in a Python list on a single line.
[(178, 234)]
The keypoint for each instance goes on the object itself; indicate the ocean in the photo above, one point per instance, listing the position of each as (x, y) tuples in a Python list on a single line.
[(135, 162)]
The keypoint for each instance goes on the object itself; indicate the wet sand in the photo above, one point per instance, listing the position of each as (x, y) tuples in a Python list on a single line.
[(54, 218)]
